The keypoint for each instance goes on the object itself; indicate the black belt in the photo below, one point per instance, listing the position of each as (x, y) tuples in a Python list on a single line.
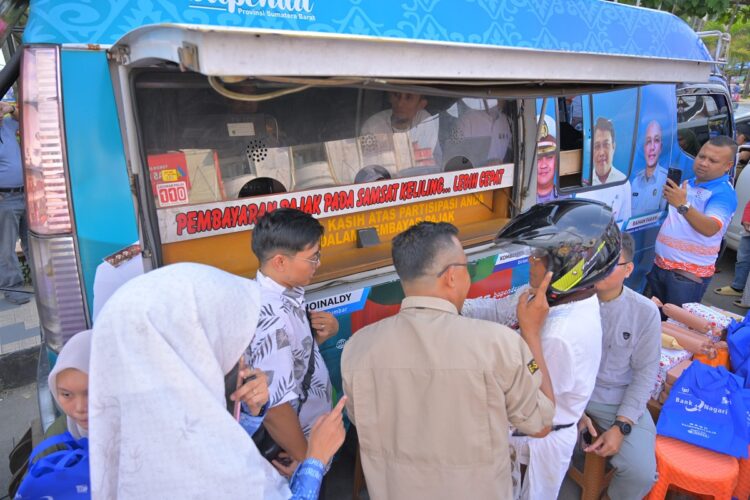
[(554, 428), (688, 275), (12, 190)]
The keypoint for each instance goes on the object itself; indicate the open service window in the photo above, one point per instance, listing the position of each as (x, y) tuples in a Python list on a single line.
[(222, 152), (596, 136)]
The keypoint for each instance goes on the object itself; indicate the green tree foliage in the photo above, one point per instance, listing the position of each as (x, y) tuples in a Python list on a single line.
[(691, 10), (688, 8)]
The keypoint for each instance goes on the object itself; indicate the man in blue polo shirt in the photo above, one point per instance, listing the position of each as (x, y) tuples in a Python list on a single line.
[(648, 184), (699, 213), (12, 207)]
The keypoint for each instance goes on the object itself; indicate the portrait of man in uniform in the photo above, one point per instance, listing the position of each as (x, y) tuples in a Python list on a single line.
[(648, 184)]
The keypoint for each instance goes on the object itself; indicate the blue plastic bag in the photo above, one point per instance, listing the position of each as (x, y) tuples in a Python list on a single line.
[(706, 407), (61, 475), (738, 340)]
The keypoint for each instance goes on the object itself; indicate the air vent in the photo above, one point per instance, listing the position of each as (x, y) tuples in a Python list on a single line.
[(257, 151)]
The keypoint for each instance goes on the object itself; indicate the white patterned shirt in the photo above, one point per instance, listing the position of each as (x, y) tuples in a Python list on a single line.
[(281, 347)]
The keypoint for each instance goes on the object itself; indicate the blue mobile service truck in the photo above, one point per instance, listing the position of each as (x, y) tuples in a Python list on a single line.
[(177, 124)]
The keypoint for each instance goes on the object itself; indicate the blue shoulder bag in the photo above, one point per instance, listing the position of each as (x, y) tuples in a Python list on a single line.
[(62, 475)]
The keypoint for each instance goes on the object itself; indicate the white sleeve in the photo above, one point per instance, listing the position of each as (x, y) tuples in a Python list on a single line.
[(501, 311)]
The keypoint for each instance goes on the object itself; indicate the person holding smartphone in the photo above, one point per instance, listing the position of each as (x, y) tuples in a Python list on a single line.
[(689, 240), (160, 428)]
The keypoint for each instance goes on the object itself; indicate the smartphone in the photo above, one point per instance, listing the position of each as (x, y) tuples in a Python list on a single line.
[(586, 439), (675, 175), (240, 382)]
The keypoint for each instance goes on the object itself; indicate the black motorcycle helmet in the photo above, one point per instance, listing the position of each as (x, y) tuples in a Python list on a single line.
[(579, 238)]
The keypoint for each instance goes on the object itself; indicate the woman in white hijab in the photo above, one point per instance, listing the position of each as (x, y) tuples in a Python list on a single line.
[(69, 383), (159, 424)]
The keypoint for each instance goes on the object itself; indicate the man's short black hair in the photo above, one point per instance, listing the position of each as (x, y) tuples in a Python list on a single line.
[(605, 126), (627, 246), (284, 230), (724, 141), (414, 251)]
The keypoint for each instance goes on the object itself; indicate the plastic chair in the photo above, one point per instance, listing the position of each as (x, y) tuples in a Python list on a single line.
[(595, 475), (742, 490), (693, 469)]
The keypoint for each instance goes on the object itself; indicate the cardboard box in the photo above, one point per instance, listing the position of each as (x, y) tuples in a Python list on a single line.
[(204, 174), (674, 373), (669, 359), (654, 408), (663, 397), (728, 314), (571, 161), (186, 176), (169, 177)]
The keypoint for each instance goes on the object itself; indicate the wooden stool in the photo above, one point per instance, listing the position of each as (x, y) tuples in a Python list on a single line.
[(694, 469), (359, 476), (742, 490), (594, 479)]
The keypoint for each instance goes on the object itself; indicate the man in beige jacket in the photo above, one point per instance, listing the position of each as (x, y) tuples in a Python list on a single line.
[(433, 393)]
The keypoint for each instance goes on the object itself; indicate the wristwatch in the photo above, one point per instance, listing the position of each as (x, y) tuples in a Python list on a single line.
[(624, 427), (682, 209)]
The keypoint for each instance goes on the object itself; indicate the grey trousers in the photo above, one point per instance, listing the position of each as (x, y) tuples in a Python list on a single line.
[(636, 461), (12, 226)]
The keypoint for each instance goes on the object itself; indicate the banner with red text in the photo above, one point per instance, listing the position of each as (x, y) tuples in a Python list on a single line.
[(210, 219)]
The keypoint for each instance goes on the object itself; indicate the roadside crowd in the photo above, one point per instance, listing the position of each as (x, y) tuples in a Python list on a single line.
[(448, 400)]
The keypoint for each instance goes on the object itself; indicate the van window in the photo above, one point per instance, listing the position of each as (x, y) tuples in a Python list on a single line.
[(700, 117), (613, 130), (574, 126), (317, 138), (615, 118), (381, 159)]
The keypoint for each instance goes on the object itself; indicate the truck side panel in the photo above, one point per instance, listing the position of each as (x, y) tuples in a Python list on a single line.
[(100, 190)]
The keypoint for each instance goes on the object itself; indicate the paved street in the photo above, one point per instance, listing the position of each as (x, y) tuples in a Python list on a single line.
[(18, 407), (19, 326)]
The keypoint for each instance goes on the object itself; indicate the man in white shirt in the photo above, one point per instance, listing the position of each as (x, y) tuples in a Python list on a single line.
[(617, 196), (408, 115), (579, 243), (287, 244), (487, 118)]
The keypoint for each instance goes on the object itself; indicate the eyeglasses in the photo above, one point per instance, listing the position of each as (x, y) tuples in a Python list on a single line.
[(471, 268), (314, 261)]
